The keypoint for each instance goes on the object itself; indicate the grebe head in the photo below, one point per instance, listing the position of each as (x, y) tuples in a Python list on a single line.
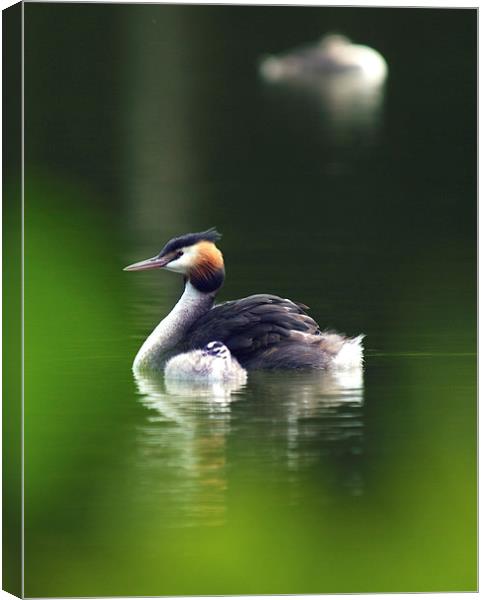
[(216, 349), (194, 255)]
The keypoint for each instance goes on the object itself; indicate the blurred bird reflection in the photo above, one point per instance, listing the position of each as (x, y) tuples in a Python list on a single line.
[(316, 416)]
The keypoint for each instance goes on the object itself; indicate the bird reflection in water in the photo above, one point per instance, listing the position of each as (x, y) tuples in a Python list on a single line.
[(183, 444), (342, 81), (302, 419)]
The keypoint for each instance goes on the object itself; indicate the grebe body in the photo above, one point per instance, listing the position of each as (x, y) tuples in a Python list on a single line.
[(261, 331)]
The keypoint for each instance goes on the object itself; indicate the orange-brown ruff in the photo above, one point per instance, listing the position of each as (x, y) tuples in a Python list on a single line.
[(261, 331), (209, 262)]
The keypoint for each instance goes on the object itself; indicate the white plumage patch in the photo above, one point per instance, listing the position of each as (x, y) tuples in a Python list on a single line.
[(351, 354), (185, 262)]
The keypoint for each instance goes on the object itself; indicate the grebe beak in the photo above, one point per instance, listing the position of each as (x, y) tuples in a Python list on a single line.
[(157, 262)]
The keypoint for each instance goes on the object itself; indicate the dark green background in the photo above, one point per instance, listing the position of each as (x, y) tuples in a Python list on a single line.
[(144, 122), (11, 301)]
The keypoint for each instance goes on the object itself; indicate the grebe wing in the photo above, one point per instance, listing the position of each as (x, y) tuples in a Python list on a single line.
[(251, 324)]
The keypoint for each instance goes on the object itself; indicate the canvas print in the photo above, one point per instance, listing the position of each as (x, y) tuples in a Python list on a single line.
[(239, 299)]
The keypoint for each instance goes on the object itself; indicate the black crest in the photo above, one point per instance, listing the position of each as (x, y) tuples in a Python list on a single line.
[(211, 235)]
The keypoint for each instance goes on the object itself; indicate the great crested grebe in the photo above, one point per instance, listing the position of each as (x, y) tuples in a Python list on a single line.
[(261, 331), (213, 363)]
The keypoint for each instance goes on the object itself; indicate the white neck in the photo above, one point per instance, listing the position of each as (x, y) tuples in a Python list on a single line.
[(169, 334)]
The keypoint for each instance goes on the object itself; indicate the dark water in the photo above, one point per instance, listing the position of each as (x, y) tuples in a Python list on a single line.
[(144, 122)]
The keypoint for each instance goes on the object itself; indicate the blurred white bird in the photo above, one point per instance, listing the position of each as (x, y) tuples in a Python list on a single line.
[(334, 54)]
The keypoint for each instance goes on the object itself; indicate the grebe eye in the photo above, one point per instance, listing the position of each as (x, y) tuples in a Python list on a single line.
[(178, 254)]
